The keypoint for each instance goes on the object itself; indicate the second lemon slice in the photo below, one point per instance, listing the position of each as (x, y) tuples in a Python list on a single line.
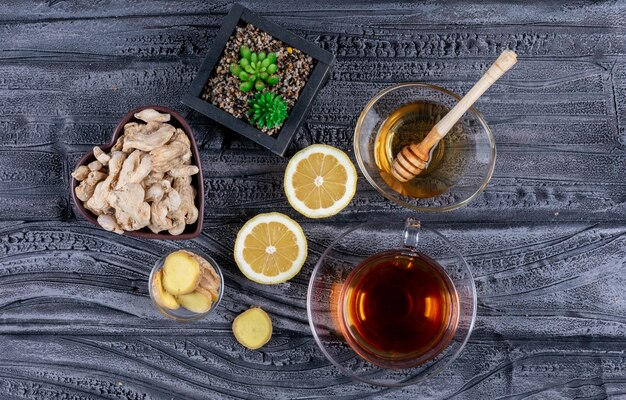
[(270, 248), (320, 181)]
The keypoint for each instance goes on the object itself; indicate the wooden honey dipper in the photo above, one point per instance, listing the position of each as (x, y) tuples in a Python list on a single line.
[(414, 158)]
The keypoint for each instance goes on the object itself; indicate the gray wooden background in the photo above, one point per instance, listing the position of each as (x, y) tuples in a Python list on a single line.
[(546, 240)]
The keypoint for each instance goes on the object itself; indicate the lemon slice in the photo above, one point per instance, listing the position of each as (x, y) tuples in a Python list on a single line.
[(320, 181), (270, 248)]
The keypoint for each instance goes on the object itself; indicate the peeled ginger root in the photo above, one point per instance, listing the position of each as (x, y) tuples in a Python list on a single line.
[(195, 302), (252, 328), (161, 297), (181, 273)]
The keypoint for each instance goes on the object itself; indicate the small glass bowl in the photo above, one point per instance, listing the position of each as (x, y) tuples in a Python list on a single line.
[(182, 314), (464, 169), (339, 260)]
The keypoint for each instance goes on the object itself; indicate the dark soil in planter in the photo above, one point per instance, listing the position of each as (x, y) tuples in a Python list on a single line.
[(294, 68)]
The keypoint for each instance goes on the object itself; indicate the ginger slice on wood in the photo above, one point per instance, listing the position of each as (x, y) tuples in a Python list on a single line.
[(253, 328)]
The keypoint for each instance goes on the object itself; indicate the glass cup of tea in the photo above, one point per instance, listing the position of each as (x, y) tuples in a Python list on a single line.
[(391, 304), (460, 166)]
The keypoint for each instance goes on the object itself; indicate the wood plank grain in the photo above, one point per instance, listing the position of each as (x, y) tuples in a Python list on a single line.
[(455, 12), (79, 112), (618, 74), (73, 286), (188, 35), (75, 317), (538, 135)]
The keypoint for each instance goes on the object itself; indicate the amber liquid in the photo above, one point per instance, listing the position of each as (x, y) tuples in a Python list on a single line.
[(398, 309), (410, 124)]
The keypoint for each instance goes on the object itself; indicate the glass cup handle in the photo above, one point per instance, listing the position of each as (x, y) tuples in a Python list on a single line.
[(412, 229)]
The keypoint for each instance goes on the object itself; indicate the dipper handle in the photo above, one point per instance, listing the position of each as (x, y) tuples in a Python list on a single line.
[(414, 158), (506, 60)]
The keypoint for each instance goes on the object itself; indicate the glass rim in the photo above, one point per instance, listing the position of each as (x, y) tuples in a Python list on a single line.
[(411, 380), (197, 316), (396, 199)]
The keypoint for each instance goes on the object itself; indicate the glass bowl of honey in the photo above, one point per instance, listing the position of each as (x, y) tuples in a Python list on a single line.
[(391, 303), (460, 166)]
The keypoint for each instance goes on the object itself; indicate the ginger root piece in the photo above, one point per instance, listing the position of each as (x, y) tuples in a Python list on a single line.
[(135, 168), (253, 328), (175, 223), (149, 115), (81, 173), (109, 223), (161, 209), (143, 139), (131, 211), (181, 273), (153, 178), (119, 144), (131, 127), (95, 166), (87, 187), (181, 136), (99, 202), (162, 297), (169, 156), (187, 195), (185, 170), (178, 227), (195, 302), (101, 155), (157, 190)]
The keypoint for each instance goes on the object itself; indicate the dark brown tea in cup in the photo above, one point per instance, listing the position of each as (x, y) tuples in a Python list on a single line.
[(398, 309)]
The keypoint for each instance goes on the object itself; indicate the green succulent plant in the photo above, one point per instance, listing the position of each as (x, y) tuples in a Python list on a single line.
[(255, 70), (267, 110)]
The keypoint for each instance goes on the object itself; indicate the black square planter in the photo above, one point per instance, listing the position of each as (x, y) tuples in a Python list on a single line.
[(278, 142)]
